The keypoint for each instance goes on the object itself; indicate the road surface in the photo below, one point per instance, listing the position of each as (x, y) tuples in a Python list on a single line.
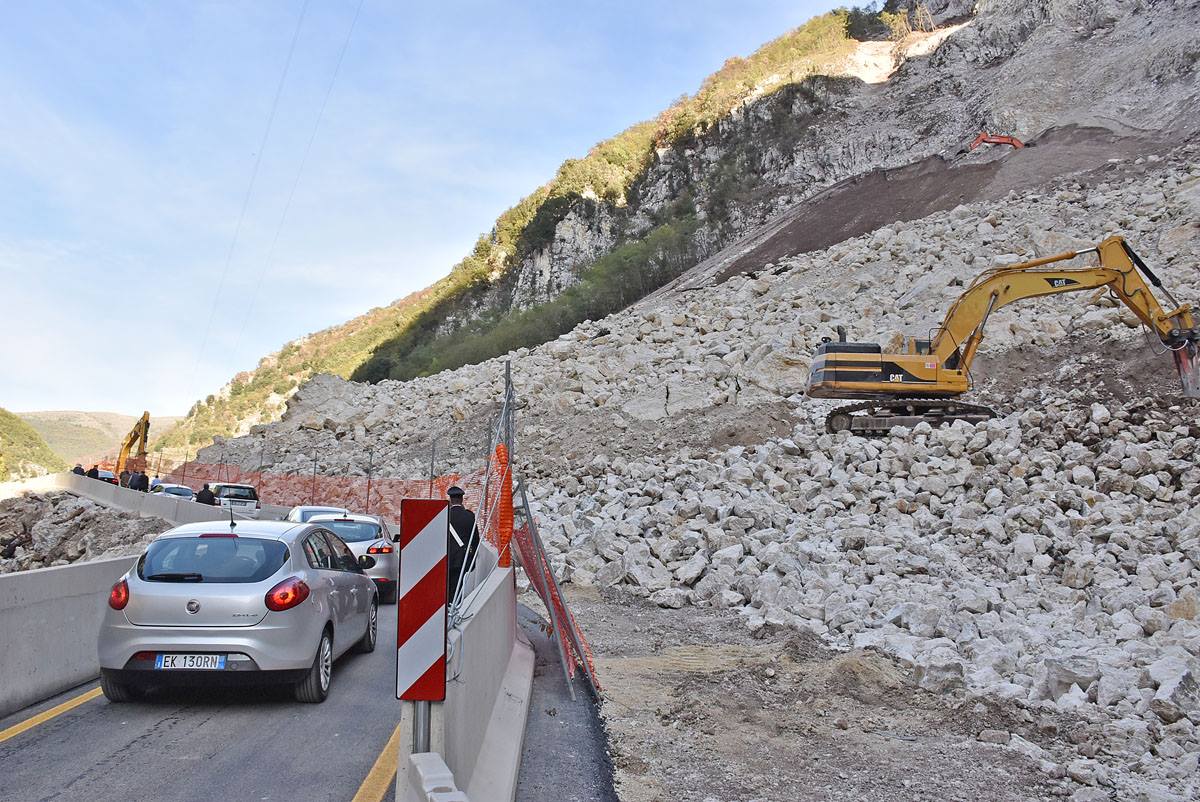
[(213, 745)]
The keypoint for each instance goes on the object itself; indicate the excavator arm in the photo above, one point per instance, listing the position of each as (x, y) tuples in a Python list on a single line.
[(1119, 269), (920, 382), (139, 435)]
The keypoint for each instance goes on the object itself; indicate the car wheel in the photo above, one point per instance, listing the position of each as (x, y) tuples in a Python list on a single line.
[(116, 691), (366, 644), (315, 685)]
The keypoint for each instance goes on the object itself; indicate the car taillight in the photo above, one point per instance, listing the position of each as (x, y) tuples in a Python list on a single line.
[(118, 597), (258, 505), (219, 534), (379, 550), (287, 594)]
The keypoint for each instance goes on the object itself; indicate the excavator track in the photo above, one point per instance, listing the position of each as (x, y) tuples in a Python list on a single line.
[(876, 418)]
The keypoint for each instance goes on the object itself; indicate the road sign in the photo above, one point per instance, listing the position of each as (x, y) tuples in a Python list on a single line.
[(421, 629)]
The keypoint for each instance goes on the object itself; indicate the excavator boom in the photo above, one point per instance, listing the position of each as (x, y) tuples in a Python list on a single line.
[(139, 435), (939, 368)]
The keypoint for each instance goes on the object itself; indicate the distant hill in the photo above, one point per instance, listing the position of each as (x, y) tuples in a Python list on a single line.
[(87, 436), (23, 452)]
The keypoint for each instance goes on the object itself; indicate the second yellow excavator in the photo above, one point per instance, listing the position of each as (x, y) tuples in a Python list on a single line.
[(922, 382)]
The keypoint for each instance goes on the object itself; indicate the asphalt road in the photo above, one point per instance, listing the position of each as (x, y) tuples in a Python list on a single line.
[(213, 744), (565, 755)]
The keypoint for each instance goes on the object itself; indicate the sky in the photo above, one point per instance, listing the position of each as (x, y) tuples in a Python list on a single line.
[(186, 186)]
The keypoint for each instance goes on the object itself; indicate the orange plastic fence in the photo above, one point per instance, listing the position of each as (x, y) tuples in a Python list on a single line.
[(378, 496), (505, 516), (537, 569)]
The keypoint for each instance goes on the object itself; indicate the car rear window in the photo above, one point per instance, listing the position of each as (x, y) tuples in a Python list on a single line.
[(354, 531), (308, 515), (240, 493), (178, 491), (212, 559)]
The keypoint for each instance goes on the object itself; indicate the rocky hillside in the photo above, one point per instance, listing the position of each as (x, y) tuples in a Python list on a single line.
[(1045, 561), (761, 137), (23, 452)]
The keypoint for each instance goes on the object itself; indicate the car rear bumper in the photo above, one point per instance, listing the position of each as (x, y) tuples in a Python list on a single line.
[(226, 678), (280, 642)]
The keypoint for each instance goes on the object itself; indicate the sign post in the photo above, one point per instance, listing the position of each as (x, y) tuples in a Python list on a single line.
[(421, 617)]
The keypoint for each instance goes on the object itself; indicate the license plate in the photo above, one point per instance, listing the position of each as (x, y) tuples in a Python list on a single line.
[(191, 662)]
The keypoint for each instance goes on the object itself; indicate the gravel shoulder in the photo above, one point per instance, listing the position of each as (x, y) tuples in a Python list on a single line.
[(699, 709)]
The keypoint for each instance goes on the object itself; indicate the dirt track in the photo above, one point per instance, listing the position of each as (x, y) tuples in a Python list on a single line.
[(877, 198)]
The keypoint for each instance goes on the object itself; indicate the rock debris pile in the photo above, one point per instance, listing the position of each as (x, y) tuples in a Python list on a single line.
[(41, 530), (1047, 558)]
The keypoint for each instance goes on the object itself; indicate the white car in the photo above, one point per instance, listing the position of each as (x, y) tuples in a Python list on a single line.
[(238, 498), (304, 514), (182, 492)]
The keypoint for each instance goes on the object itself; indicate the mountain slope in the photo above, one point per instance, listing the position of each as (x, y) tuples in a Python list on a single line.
[(23, 452), (87, 436), (763, 135), (488, 283)]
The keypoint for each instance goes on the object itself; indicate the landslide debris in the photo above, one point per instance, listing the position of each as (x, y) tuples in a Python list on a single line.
[(1044, 562), (38, 530)]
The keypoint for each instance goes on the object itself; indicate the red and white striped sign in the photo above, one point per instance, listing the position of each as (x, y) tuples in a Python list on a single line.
[(421, 631)]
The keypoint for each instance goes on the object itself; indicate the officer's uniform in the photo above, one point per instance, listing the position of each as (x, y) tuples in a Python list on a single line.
[(462, 542)]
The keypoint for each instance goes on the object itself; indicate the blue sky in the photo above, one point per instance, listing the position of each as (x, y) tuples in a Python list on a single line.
[(130, 132)]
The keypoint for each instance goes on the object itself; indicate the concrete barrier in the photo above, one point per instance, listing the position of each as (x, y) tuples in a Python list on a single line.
[(174, 510), (49, 618), (480, 728)]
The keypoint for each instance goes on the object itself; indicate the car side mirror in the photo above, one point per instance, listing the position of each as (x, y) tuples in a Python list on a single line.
[(366, 561)]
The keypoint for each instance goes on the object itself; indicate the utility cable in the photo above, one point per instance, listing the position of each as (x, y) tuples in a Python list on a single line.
[(268, 264), (287, 65)]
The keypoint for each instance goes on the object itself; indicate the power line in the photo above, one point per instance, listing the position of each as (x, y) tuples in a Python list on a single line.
[(268, 263), (246, 200)]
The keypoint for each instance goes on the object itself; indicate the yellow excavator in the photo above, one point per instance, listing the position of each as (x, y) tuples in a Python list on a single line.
[(923, 382), (139, 435)]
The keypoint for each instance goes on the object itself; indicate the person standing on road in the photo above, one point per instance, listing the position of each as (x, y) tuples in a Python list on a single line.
[(124, 477), (462, 541), (143, 481), (205, 496), (155, 482), (93, 472), (78, 470)]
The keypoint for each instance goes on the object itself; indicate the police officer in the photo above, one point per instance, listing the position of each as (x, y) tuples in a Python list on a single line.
[(462, 540)]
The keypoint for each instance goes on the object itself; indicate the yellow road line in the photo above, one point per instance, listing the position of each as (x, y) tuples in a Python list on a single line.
[(381, 775), (46, 715)]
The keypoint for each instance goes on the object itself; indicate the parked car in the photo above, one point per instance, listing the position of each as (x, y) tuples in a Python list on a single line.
[(258, 602), (369, 535), (236, 497), (108, 476), (176, 491), (305, 514)]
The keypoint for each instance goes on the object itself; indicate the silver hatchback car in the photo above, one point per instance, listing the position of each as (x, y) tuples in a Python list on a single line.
[(369, 535), (255, 602)]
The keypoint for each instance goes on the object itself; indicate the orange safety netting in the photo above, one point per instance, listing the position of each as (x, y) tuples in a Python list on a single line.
[(574, 645), (505, 517), (377, 496)]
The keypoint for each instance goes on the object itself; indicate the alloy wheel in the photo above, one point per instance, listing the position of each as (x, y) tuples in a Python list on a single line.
[(326, 662)]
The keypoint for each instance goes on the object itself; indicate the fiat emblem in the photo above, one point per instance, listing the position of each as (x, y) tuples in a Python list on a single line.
[(193, 607)]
